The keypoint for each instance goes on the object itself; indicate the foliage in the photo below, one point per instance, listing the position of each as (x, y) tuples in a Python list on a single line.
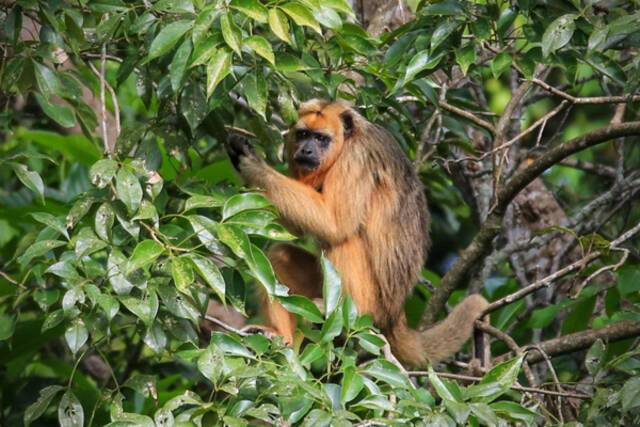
[(113, 243)]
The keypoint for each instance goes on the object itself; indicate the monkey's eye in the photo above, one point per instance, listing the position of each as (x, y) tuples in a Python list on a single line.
[(323, 139), (302, 134)]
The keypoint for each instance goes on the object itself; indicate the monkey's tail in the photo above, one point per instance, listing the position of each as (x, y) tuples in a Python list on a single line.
[(416, 348)]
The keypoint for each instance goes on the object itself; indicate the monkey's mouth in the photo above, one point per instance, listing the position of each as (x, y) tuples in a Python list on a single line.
[(308, 163)]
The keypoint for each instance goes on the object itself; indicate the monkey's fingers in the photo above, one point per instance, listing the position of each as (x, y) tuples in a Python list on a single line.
[(237, 147)]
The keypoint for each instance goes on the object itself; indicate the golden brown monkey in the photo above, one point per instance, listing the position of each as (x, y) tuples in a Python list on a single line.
[(355, 191)]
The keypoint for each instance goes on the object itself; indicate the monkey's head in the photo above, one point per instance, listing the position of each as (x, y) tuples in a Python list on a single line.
[(317, 139)]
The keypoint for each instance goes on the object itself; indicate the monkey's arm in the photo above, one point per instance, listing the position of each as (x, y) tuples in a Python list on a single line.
[(332, 218), (301, 205)]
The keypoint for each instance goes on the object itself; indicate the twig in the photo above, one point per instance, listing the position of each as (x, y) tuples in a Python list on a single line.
[(586, 99), (516, 387), (455, 110), (594, 168), (521, 293), (225, 325), (8, 278), (108, 149)]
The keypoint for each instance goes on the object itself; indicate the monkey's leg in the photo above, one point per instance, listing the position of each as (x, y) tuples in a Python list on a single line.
[(300, 271)]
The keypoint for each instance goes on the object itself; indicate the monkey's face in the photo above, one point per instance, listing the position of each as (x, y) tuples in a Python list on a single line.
[(310, 147)]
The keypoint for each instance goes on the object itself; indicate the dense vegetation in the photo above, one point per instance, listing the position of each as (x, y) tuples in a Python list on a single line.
[(121, 218)]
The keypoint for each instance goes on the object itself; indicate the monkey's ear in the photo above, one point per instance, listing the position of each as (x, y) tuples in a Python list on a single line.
[(347, 123)]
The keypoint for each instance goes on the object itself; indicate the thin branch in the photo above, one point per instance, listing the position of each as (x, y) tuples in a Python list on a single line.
[(225, 325), (455, 110), (594, 168), (586, 99), (469, 378), (108, 149)]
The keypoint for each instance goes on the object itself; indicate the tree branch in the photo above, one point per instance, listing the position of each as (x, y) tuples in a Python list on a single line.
[(580, 340), (586, 99), (482, 242)]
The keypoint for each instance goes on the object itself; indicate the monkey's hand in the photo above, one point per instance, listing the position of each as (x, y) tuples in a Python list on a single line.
[(245, 160)]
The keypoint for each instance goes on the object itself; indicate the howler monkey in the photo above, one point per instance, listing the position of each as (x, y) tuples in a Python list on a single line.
[(354, 190)]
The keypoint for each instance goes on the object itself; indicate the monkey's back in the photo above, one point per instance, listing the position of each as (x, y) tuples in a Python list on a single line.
[(396, 229)]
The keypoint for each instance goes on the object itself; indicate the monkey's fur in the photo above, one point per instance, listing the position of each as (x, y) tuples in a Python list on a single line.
[(354, 190)]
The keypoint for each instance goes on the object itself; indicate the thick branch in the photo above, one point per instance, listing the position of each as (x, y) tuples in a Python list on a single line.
[(581, 340), (481, 244)]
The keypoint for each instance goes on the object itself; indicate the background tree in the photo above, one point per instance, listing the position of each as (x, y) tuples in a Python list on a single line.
[(121, 220)]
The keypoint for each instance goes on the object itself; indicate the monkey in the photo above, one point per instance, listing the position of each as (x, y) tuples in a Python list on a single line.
[(354, 190)]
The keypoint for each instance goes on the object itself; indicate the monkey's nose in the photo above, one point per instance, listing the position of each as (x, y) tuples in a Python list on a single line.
[(307, 151)]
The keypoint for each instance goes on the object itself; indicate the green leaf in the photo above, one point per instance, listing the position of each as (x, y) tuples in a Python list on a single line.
[(465, 56), (370, 342), (218, 68), (255, 91), (630, 394), (441, 388), (331, 286), (514, 411), (558, 33), (116, 265), (47, 80), (332, 327), (204, 229), (79, 210), (210, 273), (317, 418), (38, 249), (7, 326), (156, 338), (128, 189), (105, 217), (340, 5), (36, 409), (279, 25), (301, 15), (352, 384), (311, 353), (179, 63), (261, 269), (230, 33), (144, 254), (182, 273), (61, 114), (484, 413), (76, 335), (210, 364), (145, 309), (236, 240), (167, 38), (65, 270), (87, 242), (230, 345), (49, 220), (261, 46), (70, 412), (102, 172), (203, 23), (30, 178), (301, 306), (443, 31), (328, 17), (628, 281), (200, 201), (242, 202), (387, 372), (504, 374), (252, 8), (193, 105), (421, 61), (500, 63)]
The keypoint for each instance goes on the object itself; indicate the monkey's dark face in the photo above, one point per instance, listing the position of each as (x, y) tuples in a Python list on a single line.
[(310, 148)]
